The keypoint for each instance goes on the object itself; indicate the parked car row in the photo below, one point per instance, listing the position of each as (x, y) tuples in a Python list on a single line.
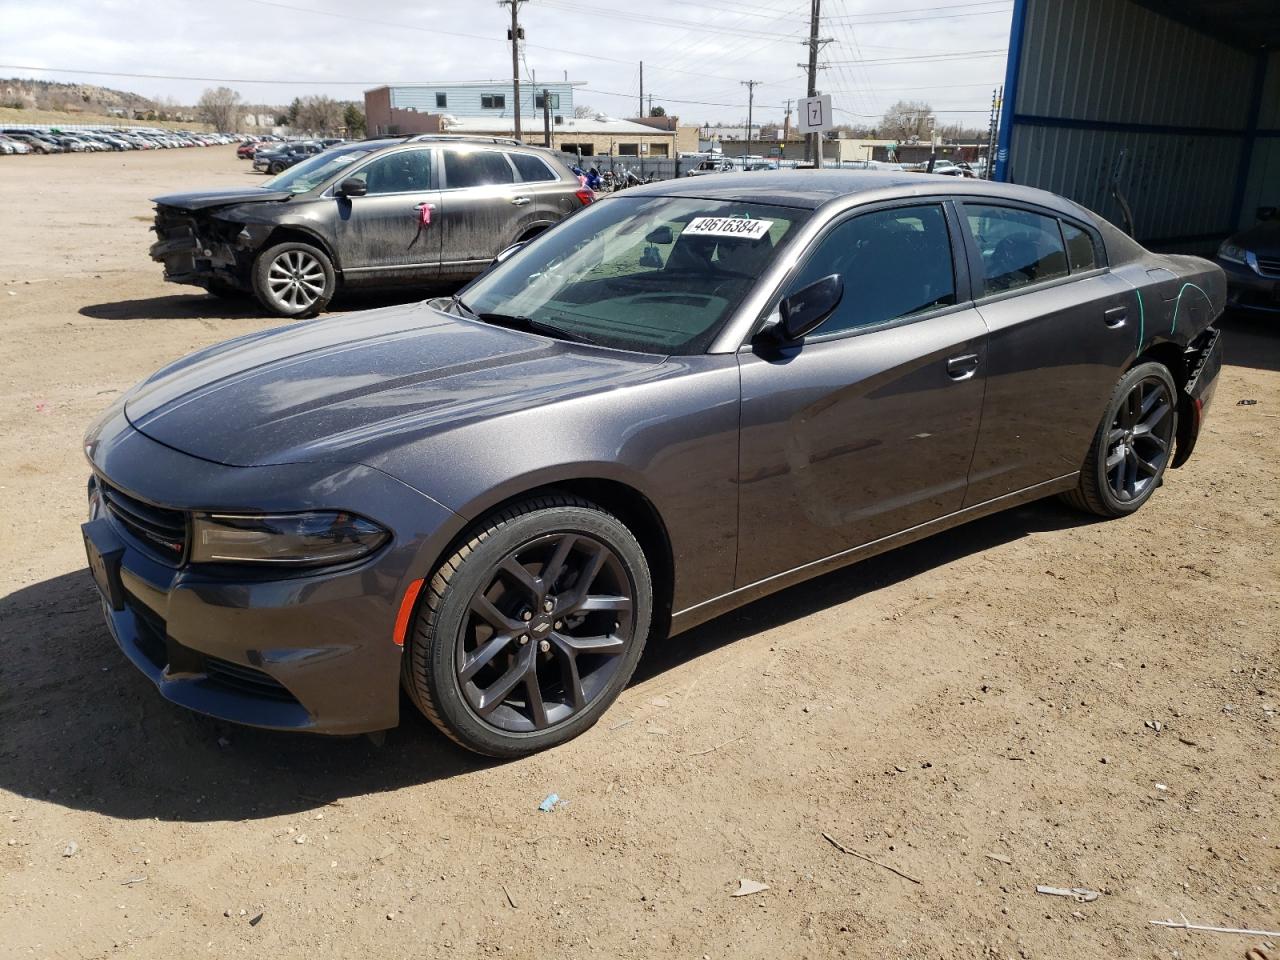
[(16, 140)]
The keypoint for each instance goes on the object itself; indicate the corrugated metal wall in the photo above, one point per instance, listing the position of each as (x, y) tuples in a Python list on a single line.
[(464, 100), (1102, 83), (1262, 189)]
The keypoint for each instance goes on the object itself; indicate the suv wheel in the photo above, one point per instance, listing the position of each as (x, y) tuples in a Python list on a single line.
[(293, 279), (528, 633)]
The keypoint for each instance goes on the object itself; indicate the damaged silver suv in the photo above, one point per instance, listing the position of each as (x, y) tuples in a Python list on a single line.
[(383, 212)]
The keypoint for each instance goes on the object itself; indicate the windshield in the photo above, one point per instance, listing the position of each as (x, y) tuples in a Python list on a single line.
[(313, 171), (652, 274)]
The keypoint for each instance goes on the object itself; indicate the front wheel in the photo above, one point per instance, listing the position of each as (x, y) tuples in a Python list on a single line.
[(528, 633), (1133, 445), (294, 279)]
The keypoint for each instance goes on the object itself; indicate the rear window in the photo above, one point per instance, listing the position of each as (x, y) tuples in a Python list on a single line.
[(1080, 253), (476, 168), (532, 169), (1018, 247)]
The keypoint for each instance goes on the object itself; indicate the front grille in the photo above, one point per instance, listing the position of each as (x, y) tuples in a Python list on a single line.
[(165, 531), (242, 679), (1269, 266)]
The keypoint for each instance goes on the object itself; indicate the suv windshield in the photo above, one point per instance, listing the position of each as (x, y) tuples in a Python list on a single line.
[(652, 274), (313, 171)]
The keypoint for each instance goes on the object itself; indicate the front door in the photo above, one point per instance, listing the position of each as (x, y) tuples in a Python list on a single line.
[(1061, 328), (383, 236), (868, 427)]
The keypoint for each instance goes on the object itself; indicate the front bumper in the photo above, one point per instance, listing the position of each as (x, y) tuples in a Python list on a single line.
[(312, 650), (1249, 290)]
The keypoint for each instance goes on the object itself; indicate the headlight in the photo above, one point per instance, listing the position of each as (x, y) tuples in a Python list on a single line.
[(294, 539), (1229, 251)]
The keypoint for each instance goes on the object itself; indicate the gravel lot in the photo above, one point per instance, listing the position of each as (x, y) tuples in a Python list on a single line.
[(1032, 699)]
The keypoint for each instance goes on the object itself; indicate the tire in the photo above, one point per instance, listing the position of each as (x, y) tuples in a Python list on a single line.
[(482, 707), (294, 279), (275, 168), (1132, 447)]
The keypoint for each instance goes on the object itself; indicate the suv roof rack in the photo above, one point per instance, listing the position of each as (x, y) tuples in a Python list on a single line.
[(464, 137)]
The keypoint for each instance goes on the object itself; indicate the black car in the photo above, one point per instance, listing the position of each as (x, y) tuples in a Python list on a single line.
[(276, 159), (1251, 260), (374, 213), (687, 396)]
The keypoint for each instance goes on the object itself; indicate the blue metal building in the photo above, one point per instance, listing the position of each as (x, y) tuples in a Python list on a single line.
[(1168, 107)]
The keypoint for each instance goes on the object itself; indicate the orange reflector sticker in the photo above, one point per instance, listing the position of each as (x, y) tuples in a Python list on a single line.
[(406, 611)]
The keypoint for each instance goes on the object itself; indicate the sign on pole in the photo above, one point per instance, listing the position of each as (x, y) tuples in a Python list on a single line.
[(815, 114)]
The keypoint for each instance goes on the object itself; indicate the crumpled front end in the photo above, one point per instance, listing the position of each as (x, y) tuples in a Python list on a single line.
[(197, 248)]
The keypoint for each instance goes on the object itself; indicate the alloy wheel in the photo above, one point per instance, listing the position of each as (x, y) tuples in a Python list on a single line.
[(1140, 438), (296, 280), (545, 633)]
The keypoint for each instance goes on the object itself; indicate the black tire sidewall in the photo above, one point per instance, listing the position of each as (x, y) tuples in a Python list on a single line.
[(1143, 371), (442, 636), (263, 292)]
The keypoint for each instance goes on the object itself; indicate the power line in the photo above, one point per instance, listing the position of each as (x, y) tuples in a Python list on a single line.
[(931, 57)]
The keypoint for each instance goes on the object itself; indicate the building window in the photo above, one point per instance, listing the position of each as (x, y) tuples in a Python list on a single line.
[(658, 150), (442, 100), (493, 101), (538, 101), (628, 149), (586, 149)]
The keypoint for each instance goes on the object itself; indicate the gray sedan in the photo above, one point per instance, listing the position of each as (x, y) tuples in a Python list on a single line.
[(683, 398)]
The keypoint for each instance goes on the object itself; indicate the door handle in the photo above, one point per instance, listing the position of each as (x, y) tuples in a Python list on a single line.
[(520, 201), (1115, 317), (962, 367)]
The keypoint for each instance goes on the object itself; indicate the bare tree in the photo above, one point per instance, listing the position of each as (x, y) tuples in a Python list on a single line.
[(219, 108), (583, 112), (907, 119), (317, 114)]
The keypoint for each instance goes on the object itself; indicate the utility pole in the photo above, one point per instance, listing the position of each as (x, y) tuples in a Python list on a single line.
[(642, 88), (546, 118), (650, 105), (515, 34), (815, 43), (751, 100)]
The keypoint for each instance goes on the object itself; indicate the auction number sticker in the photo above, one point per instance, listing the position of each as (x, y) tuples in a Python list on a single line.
[(727, 227)]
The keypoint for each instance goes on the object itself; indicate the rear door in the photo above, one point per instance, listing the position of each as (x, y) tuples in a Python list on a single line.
[(867, 427), (383, 236), (482, 207), (1061, 329), (552, 196)]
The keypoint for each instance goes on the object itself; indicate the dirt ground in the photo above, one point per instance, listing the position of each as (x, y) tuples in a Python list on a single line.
[(1031, 699)]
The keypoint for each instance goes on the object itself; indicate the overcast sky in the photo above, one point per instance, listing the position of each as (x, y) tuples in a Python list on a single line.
[(696, 52)]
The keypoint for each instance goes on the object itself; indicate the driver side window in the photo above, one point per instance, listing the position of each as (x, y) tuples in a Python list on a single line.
[(895, 263), (408, 171)]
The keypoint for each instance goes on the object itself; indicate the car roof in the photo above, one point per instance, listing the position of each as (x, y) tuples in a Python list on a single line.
[(810, 189)]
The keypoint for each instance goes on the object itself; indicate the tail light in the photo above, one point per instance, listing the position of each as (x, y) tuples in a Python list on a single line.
[(585, 195)]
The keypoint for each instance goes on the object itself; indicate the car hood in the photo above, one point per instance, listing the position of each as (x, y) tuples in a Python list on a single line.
[(1261, 238), (347, 388), (201, 199)]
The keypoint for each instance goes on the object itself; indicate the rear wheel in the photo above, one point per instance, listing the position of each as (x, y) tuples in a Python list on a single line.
[(294, 279), (528, 633), (1133, 445)]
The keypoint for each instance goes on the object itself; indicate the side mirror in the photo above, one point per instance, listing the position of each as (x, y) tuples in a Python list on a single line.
[(805, 310), (352, 187), (662, 235)]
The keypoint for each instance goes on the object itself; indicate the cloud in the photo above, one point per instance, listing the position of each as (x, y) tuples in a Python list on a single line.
[(694, 71)]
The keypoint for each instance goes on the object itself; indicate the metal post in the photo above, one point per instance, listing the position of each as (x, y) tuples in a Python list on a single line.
[(515, 58), (641, 89), (546, 117), (814, 14), (1016, 30), (751, 100)]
